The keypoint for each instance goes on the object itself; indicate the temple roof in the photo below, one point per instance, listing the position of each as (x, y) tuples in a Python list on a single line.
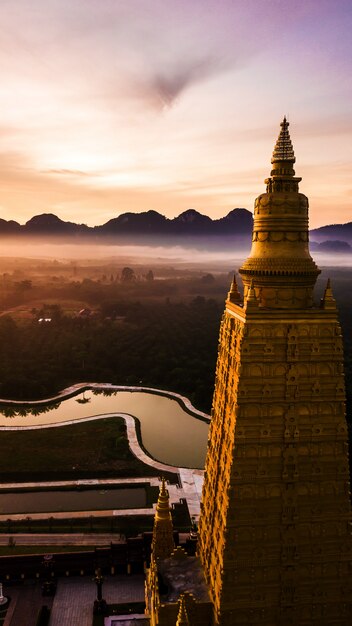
[(180, 575)]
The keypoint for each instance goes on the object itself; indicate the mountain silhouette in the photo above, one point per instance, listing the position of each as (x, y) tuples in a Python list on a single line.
[(190, 222), (9, 227), (333, 232), (189, 226), (146, 222), (332, 246), (51, 224)]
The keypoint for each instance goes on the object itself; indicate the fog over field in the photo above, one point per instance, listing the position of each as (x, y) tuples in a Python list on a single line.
[(217, 253), (193, 254), (74, 311)]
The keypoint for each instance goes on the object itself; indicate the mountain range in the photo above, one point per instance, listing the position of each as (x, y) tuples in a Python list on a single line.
[(151, 224), (237, 222)]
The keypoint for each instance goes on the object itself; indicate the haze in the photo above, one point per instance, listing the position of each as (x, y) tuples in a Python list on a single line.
[(211, 255)]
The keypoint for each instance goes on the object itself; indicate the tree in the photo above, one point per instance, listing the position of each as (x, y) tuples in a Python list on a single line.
[(207, 279), (127, 275), (24, 285)]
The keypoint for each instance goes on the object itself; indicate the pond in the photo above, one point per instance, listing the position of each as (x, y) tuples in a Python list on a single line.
[(75, 500), (169, 433)]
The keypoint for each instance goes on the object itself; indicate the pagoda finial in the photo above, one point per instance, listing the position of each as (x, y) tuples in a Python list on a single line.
[(163, 532), (328, 301), (234, 295), (163, 506), (283, 150), (251, 300), (182, 617), (163, 491)]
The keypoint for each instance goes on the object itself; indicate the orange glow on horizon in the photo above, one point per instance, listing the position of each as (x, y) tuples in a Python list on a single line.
[(170, 108)]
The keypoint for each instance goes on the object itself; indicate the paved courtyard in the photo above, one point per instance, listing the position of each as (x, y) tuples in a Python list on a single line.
[(73, 602)]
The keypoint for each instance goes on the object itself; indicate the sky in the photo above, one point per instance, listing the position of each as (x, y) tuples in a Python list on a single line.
[(108, 106)]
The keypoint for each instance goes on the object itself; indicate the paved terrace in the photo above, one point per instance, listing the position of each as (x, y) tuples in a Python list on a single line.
[(73, 602), (190, 490)]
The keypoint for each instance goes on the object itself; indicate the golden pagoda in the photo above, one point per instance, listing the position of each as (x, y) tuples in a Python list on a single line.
[(162, 547), (175, 588), (274, 531), (182, 617), (163, 531)]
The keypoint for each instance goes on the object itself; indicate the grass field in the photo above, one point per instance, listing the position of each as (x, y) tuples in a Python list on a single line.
[(97, 449)]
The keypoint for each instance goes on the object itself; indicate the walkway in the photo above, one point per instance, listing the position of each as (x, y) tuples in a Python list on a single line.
[(74, 598), (189, 490), (62, 539), (26, 601), (73, 602)]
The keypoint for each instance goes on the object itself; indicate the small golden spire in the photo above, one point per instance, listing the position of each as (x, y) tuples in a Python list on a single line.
[(328, 301), (251, 300), (283, 150), (163, 506), (163, 532), (182, 617), (234, 295)]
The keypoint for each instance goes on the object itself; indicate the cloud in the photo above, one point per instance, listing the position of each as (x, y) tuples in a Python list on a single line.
[(166, 85), (108, 104), (67, 172), (149, 51)]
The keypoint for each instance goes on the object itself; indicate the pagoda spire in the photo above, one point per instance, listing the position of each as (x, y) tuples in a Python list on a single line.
[(279, 262), (234, 295), (328, 301), (182, 617), (162, 507), (282, 161), (283, 150), (251, 300), (163, 532), (274, 529)]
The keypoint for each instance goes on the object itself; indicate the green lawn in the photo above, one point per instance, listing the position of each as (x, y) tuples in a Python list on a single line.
[(97, 449)]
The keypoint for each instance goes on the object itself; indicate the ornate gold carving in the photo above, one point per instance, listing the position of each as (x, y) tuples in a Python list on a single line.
[(274, 536)]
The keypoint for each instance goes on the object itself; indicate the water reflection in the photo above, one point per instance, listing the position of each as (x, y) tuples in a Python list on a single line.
[(89, 500), (168, 432), (24, 411)]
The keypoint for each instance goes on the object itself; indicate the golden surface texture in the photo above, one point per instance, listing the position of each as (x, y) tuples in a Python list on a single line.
[(274, 533), (283, 271), (163, 532)]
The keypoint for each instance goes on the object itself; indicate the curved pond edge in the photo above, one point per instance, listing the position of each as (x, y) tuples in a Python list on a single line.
[(132, 422), (73, 390)]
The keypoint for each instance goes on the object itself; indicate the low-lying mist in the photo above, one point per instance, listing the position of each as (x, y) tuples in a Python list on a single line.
[(215, 252), (189, 252)]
